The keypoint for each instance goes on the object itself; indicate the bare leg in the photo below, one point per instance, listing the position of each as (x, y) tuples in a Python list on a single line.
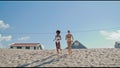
[(69, 47), (70, 50), (61, 50), (57, 50)]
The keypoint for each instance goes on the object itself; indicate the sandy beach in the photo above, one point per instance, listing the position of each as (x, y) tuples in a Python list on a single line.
[(94, 57)]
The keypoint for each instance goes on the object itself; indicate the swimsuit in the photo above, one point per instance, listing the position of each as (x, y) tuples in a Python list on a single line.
[(57, 38)]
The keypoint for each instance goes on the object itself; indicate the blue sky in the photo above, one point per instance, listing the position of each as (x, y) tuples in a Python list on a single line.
[(94, 23)]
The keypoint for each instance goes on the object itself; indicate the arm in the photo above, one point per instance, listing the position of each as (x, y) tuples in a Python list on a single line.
[(54, 38)]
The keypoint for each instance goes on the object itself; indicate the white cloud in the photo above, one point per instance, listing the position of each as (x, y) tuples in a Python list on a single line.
[(4, 39), (111, 35), (24, 38), (3, 25)]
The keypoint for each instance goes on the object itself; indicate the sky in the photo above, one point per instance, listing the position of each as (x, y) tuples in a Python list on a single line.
[(95, 24)]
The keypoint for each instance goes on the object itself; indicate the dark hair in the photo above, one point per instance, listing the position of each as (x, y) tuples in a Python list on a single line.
[(58, 31), (68, 30)]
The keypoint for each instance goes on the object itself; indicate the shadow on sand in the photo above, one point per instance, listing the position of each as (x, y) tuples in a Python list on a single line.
[(44, 60)]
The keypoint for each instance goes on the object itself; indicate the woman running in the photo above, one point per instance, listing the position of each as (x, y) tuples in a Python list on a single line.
[(69, 38), (57, 41)]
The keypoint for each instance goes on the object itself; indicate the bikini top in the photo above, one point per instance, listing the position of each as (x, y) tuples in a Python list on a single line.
[(69, 36), (57, 37)]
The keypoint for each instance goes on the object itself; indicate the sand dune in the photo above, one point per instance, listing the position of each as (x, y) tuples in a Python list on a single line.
[(102, 57)]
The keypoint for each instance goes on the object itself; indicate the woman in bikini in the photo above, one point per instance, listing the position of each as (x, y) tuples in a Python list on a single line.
[(57, 41), (69, 38)]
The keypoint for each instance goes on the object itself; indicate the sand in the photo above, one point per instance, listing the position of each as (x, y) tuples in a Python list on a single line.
[(94, 57)]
